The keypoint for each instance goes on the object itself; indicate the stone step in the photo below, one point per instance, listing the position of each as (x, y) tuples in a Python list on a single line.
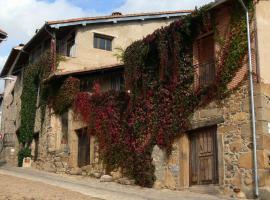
[(205, 189)]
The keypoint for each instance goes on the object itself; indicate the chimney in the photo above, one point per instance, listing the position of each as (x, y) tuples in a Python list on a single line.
[(116, 14)]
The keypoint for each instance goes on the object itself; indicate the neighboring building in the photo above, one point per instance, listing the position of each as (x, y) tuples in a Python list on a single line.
[(3, 35), (223, 131)]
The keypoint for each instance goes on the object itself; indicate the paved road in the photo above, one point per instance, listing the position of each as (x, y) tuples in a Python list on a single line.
[(13, 188), (108, 191)]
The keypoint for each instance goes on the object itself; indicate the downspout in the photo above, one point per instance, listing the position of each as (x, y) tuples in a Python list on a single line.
[(252, 103)]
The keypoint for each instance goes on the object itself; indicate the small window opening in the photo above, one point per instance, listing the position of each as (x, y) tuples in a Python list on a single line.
[(103, 42)]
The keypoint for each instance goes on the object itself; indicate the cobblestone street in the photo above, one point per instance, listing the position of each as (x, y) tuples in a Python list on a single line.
[(29, 184)]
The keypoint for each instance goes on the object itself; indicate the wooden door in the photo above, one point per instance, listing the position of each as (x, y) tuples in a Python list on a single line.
[(203, 157), (83, 148)]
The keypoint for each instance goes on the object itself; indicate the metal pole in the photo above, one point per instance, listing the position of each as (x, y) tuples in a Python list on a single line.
[(254, 134)]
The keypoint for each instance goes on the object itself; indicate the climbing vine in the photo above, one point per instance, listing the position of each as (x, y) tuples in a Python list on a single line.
[(64, 97), (159, 73), (33, 74)]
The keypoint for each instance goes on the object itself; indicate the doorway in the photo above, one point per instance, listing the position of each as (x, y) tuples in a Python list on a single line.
[(83, 147), (203, 156)]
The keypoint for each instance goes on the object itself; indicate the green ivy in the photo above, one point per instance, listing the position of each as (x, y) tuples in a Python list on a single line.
[(32, 79)]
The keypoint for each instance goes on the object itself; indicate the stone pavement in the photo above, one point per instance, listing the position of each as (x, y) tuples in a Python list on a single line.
[(104, 190)]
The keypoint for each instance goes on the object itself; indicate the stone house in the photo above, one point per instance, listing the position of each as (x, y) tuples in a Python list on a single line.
[(215, 155), (89, 46)]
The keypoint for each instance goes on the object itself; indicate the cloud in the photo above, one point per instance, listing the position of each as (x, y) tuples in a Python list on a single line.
[(160, 5), (20, 18)]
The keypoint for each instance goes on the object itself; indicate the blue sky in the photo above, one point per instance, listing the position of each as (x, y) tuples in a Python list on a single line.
[(20, 18)]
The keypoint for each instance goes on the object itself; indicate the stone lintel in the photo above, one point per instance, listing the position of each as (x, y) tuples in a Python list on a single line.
[(206, 122)]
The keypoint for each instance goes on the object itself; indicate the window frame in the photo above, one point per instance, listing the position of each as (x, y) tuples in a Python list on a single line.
[(98, 38)]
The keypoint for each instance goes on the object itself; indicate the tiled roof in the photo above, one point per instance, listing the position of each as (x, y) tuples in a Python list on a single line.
[(117, 16), (84, 71)]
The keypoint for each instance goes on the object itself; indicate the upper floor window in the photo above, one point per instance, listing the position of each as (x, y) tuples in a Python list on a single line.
[(206, 59), (35, 54), (67, 46), (103, 42)]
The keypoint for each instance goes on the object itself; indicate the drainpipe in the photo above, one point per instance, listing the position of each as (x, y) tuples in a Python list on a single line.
[(252, 102)]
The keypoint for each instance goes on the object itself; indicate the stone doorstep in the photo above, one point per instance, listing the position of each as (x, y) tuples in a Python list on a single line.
[(206, 189)]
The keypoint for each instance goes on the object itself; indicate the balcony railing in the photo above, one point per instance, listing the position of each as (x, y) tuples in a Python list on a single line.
[(205, 74)]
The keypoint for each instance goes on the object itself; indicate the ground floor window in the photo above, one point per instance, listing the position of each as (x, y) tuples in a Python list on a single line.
[(203, 156)]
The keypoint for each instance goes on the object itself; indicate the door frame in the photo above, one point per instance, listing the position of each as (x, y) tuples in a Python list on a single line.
[(216, 156)]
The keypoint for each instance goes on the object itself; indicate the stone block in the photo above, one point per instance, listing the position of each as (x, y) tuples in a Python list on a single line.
[(248, 180), (246, 160), (206, 122), (158, 156), (169, 181), (241, 116), (225, 129), (265, 193), (106, 178), (262, 114), (116, 175), (48, 167), (76, 171), (236, 146), (210, 113), (266, 142), (58, 165), (126, 181), (237, 180), (246, 131), (246, 105), (158, 185), (96, 174), (84, 173)]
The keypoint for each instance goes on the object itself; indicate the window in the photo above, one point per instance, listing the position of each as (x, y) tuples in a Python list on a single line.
[(67, 46), (206, 60), (103, 42), (71, 46), (85, 85), (116, 83)]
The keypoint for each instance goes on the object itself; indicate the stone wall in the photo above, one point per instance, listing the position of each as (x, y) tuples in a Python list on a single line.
[(11, 118), (235, 145)]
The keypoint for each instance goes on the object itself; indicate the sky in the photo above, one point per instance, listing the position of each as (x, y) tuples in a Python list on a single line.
[(20, 18)]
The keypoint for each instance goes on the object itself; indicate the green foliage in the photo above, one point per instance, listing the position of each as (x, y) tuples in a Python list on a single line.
[(159, 72), (65, 96), (33, 74)]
